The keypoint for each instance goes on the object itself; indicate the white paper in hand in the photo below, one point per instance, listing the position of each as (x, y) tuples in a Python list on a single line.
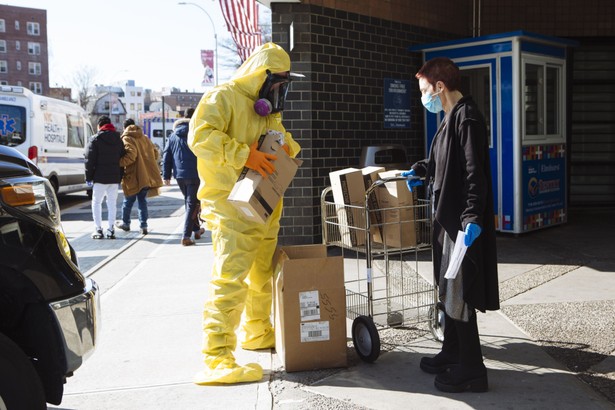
[(458, 253)]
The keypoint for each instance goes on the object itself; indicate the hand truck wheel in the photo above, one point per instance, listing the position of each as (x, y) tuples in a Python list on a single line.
[(436, 321), (365, 338)]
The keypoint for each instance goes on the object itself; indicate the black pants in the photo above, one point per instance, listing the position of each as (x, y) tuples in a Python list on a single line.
[(189, 188), (461, 341)]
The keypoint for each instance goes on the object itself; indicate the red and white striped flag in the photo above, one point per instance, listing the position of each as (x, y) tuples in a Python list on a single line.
[(242, 20)]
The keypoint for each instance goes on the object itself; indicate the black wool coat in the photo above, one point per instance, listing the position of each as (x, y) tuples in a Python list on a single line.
[(102, 160), (459, 171)]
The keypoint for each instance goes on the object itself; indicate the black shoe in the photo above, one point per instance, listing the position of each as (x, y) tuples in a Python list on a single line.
[(110, 234), (144, 231), (460, 379), (98, 234), (437, 364)]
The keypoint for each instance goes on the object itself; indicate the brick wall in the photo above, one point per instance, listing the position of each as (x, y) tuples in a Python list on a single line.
[(338, 108)]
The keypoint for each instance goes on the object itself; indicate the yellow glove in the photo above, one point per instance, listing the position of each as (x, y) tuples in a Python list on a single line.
[(260, 161)]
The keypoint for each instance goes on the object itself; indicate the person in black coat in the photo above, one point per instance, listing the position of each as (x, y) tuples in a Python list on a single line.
[(459, 176), (103, 173)]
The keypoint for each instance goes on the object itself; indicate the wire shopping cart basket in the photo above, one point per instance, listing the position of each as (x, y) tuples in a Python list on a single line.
[(387, 262)]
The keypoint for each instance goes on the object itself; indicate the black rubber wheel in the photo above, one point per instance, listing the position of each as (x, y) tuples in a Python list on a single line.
[(365, 338), (436, 322), (20, 386)]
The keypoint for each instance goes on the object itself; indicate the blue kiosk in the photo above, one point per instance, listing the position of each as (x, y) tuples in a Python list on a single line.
[(518, 79)]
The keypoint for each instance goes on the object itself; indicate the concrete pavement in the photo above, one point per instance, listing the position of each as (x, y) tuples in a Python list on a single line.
[(552, 283)]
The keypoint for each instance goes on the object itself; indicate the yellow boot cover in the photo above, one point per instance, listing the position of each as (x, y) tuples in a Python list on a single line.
[(264, 341), (229, 372)]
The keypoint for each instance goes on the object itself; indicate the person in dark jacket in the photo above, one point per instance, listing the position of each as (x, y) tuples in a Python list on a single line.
[(459, 176), (103, 173), (178, 159)]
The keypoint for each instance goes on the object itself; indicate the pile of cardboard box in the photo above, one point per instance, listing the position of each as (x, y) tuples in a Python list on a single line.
[(391, 208), (256, 197)]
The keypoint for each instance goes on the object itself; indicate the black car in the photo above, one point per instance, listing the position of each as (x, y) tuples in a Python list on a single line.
[(49, 312)]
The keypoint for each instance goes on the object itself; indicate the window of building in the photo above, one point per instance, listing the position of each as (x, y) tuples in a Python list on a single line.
[(34, 29), (4, 67), (138, 93), (36, 87), (2, 26), (17, 25), (34, 68), (3, 82), (132, 106), (18, 65), (2, 46), (19, 83), (140, 107), (34, 49), (132, 93), (18, 45)]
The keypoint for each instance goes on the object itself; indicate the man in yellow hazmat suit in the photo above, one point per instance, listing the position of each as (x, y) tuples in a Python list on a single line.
[(224, 131)]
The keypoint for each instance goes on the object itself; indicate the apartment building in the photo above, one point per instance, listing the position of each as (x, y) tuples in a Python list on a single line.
[(23, 48)]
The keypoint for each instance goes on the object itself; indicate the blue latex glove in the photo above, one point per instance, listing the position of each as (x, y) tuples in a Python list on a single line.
[(413, 180), (472, 232), (89, 183)]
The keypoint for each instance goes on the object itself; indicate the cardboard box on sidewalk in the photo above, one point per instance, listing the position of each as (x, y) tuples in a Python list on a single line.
[(310, 308), (256, 197), (398, 228), (349, 186)]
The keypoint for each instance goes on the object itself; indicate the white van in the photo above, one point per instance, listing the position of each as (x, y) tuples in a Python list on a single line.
[(52, 133)]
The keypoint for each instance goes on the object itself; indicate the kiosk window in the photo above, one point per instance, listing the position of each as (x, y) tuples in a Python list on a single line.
[(542, 102), (476, 82)]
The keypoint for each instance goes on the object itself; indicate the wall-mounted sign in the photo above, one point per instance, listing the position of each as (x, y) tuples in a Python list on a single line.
[(396, 103)]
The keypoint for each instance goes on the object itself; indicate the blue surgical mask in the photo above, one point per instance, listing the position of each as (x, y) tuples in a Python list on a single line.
[(432, 102)]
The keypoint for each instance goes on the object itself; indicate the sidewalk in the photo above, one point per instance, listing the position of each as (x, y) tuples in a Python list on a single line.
[(153, 290)]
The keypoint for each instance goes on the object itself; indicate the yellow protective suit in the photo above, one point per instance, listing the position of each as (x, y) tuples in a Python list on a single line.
[(222, 128)]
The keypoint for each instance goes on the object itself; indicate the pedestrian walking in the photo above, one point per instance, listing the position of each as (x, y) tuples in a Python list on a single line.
[(141, 175), (180, 161), (224, 133), (103, 173), (459, 176)]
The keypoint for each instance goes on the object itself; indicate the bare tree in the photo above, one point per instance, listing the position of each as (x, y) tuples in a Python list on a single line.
[(83, 81)]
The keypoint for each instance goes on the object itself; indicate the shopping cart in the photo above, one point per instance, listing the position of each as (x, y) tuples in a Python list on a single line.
[(388, 268)]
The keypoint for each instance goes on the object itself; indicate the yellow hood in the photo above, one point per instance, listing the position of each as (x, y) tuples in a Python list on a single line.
[(253, 72)]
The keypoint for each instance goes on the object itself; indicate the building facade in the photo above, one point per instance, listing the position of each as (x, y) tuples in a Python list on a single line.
[(23, 48), (347, 50)]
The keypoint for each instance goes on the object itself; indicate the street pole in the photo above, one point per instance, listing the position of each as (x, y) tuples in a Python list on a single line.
[(183, 3)]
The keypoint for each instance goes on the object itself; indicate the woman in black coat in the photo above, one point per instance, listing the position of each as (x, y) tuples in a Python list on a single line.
[(459, 177)]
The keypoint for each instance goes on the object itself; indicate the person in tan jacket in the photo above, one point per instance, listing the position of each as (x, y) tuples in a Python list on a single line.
[(141, 174)]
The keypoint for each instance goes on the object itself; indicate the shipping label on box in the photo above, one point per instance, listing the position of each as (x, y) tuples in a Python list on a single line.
[(398, 228), (310, 308), (256, 197)]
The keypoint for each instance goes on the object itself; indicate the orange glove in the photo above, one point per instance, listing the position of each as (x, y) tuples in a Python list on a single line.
[(260, 161), (286, 148)]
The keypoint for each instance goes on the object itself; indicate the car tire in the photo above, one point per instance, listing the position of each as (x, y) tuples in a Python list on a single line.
[(20, 385)]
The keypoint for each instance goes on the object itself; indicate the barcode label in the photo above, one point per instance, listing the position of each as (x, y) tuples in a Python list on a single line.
[(315, 331), (309, 305)]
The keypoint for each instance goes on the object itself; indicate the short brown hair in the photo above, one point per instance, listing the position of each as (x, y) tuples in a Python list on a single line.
[(441, 69)]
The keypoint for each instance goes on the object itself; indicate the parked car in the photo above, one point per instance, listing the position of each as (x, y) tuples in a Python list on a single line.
[(49, 312)]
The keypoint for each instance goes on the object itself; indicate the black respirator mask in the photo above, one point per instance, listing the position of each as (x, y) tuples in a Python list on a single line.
[(272, 95)]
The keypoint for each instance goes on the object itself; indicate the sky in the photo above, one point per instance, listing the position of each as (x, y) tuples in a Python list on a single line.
[(155, 43)]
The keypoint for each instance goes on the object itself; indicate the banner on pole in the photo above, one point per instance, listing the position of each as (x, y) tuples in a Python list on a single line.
[(207, 58)]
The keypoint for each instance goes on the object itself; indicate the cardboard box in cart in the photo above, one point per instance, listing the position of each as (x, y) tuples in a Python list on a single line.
[(349, 186), (256, 197), (398, 228), (310, 308)]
